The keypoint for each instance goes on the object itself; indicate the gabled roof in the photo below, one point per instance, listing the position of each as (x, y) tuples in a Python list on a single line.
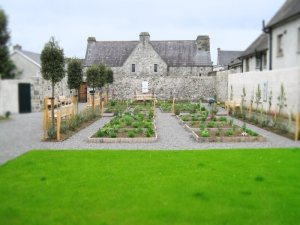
[(181, 53), (225, 57), (34, 56), (259, 45), (174, 53), (289, 9)]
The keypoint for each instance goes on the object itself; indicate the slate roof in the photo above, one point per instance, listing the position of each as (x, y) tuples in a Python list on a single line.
[(174, 53), (33, 56), (225, 57), (289, 9), (260, 44), (181, 53)]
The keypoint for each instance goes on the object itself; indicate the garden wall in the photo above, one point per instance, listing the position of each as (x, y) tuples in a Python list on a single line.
[(269, 81), (166, 87)]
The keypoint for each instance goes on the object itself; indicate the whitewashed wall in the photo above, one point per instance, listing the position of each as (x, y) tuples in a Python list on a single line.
[(289, 77)]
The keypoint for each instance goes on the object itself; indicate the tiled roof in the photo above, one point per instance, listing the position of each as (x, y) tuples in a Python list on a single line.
[(225, 57), (33, 56), (174, 53), (289, 9), (260, 44)]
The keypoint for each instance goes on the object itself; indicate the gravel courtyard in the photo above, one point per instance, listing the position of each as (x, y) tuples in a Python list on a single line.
[(23, 132)]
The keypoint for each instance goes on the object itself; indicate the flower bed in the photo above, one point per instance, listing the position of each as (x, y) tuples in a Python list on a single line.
[(127, 129)]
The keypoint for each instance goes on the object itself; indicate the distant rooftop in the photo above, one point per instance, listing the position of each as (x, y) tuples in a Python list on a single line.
[(260, 44), (226, 57)]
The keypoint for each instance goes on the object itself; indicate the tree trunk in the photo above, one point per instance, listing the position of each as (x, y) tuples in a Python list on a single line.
[(52, 104)]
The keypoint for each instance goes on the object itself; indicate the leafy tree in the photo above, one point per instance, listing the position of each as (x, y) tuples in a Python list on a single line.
[(92, 78), (102, 75), (258, 96), (52, 63), (75, 73), (281, 99), (270, 100), (109, 77), (6, 65), (243, 96)]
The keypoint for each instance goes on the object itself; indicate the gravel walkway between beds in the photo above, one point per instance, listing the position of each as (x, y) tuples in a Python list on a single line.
[(24, 132)]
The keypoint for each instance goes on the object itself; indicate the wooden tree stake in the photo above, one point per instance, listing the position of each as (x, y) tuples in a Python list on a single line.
[(45, 124), (102, 109), (58, 125), (297, 127), (173, 108)]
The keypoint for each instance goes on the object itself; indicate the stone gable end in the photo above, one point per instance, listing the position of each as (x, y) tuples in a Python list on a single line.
[(144, 57)]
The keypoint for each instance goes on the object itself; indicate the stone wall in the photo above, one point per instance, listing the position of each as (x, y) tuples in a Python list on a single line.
[(166, 87), (189, 71)]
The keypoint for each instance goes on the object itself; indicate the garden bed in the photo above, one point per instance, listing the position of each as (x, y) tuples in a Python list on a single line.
[(223, 137), (127, 129)]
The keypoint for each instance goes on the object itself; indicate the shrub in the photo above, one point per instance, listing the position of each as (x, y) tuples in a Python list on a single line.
[(217, 133), (128, 120), (231, 122), (112, 103), (113, 135), (100, 133), (51, 132), (177, 111), (244, 127), (125, 131), (202, 126), (131, 134), (150, 130), (150, 114), (185, 118), (234, 127), (204, 133), (148, 134), (203, 108), (229, 132), (7, 114), (211, 125), (136, 125), (194, 118), (203, 119), (140, 130), (222, 118), (193, 123), (64, 127)]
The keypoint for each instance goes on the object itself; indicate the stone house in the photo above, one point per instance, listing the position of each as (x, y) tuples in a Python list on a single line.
[(225, 58), (26, 93), (169, 68)]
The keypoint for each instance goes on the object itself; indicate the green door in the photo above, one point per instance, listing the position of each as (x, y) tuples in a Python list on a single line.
[(24, 98)]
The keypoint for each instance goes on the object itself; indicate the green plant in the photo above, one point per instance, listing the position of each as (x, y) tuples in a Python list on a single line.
[(211, 125), (131, 134), (234, 127), (7, 114), (270, 100), (185, 118), (281, 99), (231, 92), (203, 108), (244, 127), (231, 122), (150, 130), (229, 132), (148, 134), (51, 132), (217, 133), (202, 126), (204, 119), (100, 133), (243, 97), (113, 135), (193, 123), (140, 130), (75, 74), (205, 133), (258, 96), (221, 118), (136, 125)]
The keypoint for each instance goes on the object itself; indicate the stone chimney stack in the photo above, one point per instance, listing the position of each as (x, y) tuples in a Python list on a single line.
[(91, 39), (203, 43), (144, 37), (17, 47), (219, 49)]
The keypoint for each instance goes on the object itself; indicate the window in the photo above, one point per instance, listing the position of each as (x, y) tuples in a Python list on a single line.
[(265, 60), (298, 39), (279, 45), (155, 68), (257, 62), (247, 65), (133, 68)]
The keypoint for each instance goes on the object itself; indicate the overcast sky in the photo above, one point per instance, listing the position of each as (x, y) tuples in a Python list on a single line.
[(231, 24)]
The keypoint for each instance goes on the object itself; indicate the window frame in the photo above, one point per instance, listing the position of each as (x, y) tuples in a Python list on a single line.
[(156, 68), (279, 45), (257, 62), (133, 68)]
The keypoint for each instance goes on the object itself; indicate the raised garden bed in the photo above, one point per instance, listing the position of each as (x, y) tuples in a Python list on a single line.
[(127, 129)]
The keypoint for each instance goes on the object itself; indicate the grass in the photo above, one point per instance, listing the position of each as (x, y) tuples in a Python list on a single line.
[(2, 118), (152, 187)]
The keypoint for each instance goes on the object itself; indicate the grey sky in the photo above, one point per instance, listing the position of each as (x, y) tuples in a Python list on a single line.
[(231, 24)]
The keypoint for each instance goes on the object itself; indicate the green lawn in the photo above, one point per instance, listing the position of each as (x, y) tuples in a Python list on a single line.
[(152, 187)]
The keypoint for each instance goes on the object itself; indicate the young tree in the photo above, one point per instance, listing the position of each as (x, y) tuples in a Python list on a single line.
[(102, 76), (258, 96), (281, 99), (109, 77), (75, 75), (7, 66), (52, 63), (92, 79)]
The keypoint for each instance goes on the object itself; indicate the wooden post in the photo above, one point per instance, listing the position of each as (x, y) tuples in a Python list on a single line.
[(297, 127), (250, 109), (46, 108), (58, 125), (234, 105), (154, 105), (76, 104), (173, 107), (227, 107), (93, 103), (102, 109), (100, 96), (275, 113), (106, 97), (45, 124)]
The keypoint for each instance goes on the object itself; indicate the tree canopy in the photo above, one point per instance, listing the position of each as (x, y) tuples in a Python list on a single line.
[(102, 75), (109, 76), (52, 62), (92, 77), (74, 73), (7, 67)]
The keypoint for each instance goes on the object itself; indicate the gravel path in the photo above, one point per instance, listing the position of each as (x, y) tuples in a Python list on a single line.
[(24, 132)]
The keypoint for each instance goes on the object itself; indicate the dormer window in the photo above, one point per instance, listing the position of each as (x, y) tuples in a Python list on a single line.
[(133, 68), (155, 68)]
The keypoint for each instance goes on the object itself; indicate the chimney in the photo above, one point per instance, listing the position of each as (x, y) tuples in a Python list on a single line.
[(144, 37), (219, 49), (17, 47), (91, 39), (203, 43)]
